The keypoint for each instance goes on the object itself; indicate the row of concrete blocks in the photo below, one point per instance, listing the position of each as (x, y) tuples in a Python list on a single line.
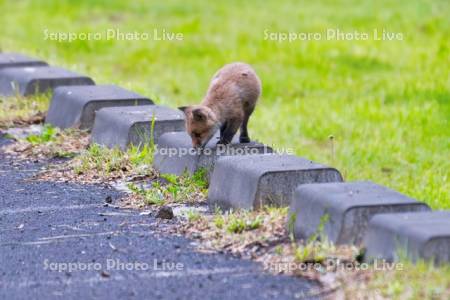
[(77, 102), (247, 176), (22, 75), (388, 224)]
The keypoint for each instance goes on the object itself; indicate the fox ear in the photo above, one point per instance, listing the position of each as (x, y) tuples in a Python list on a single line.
[(183, 108), (199, 115)]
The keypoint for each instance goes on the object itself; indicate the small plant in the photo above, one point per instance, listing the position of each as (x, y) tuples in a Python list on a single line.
[(101, 159), (217, 210), (318, 247), (236, 224), (147, 147), (176, 187), (241, 221), (319, 232), (193, 215), (199, 178), (51, 143), (291, 227), (47, 135), (314, 251), (255, 223), (64, 154), (106, 161), (21, 110), (183, 188), (219, 221), (152, 133), (151, 196), (171, 178), (141, 156), (303, 253), (278, 250)]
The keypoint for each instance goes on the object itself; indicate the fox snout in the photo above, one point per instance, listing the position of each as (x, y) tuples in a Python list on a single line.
[(199, 140), (197, 143), (201, 124)]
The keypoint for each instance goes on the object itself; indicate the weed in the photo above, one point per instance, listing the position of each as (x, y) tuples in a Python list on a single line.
[(219, 221), (242, 221), (291, 226), (255, 223), (193, 215), (107, 161), (152, 196), (278, 250), (22, 111), (236, 224), (314, 251), (318, 235), (184, 188), (152, 132), (199, 178), (50, 143), (48, 134), (141, 156), (171, 178)]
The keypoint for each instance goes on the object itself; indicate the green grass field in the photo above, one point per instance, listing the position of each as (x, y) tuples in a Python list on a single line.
[(386, 103)]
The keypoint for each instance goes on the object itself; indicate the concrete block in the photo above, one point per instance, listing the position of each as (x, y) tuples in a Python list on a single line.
[(75, 106), (33, 80), (253, 181), (131, 125), (8, 60), (176, 155), (346, 207), (424, 235)]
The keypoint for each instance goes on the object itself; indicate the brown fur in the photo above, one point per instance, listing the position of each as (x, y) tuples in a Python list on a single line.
[(228, 104)]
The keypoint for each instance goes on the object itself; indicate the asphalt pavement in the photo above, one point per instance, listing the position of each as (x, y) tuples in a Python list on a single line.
[(60, 241)]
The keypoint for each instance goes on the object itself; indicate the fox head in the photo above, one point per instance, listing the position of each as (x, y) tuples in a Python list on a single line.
[(201, 124)]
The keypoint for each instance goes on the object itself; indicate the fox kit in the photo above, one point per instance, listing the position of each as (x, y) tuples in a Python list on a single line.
[(228, 104)]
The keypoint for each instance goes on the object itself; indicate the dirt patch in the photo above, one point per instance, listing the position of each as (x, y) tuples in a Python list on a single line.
[(23, 121), (64, 144)]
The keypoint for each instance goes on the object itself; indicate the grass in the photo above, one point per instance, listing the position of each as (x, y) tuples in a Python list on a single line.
[(17, 110), (49, 143), (169, 188), (97, 161), (48, 134), (419, 281), (240, 221), (239, 224), (261, 235), (151, 196), (386, 103), (193, 216), (239, 231), (105, 161)]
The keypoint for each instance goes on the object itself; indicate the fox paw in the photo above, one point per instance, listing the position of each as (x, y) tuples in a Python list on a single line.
[(222, 142), (244, 139)]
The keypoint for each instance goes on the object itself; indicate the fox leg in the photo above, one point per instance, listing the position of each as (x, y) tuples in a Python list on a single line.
[(243, 137), (229, 131), (222, 129)]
